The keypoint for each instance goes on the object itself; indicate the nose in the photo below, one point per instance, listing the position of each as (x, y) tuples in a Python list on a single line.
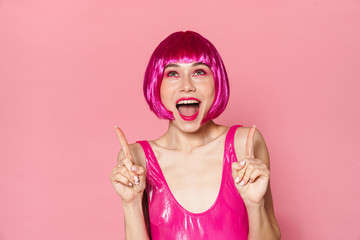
[(188, 84)]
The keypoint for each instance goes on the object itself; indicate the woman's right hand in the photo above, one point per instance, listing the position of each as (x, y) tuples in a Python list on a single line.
[(127, 178)]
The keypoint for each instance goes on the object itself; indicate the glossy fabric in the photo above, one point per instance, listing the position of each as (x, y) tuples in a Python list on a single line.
[(226, 219)]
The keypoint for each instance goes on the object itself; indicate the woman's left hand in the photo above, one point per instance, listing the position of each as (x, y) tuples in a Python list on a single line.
[(251, 175)]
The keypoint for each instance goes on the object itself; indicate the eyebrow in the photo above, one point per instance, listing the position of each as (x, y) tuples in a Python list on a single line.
[(193, 65)]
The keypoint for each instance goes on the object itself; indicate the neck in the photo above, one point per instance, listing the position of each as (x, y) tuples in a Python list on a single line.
[(175, 138)]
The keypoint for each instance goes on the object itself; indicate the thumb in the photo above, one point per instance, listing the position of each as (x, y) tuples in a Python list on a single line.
[(237, 166), (138, 170)]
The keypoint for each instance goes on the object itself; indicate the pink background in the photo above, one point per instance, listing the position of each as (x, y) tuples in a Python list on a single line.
[(72, 69)]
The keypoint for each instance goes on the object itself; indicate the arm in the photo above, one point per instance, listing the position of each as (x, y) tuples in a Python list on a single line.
[(128, 179), (135, 227), (253, 185), (134, 220), (262, 222)]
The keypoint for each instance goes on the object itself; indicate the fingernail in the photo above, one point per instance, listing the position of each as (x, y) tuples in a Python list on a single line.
[(254, 126), (242, 183), (133, 168), (136, 178), (242, 163), (115, 126), (130, 184), (237, 179)]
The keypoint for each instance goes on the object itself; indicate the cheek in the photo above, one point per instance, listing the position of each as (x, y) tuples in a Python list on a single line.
[(165, 94), (208, 90), (210, 93)]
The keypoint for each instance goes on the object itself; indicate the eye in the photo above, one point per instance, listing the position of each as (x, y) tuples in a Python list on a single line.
[(172, 74), (199, 72)]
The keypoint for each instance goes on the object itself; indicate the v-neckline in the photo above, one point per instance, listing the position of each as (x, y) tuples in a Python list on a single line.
[(221, 184)]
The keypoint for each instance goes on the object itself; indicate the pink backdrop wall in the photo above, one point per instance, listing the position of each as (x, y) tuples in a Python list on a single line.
[(71, 70)]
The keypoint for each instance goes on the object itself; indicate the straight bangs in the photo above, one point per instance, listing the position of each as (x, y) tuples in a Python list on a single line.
[(185, 47)]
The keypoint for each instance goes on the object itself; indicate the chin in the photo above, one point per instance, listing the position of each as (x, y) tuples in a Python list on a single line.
[(189, 126)]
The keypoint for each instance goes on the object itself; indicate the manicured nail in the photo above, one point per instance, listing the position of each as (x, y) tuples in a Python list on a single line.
[(136, 178), (130, 184), (254, 126), (134, 168), (115, 126), (242, 183), (237, 179), (242, 163)]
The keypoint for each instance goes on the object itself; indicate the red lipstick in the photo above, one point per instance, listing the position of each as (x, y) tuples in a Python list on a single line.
[(192, 117)]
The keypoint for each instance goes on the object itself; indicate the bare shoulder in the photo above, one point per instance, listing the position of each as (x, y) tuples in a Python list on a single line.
[(260, 148), (137, 152), (260, 153)]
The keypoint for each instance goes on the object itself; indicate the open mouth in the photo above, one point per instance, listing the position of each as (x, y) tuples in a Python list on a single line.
[(188, 108)]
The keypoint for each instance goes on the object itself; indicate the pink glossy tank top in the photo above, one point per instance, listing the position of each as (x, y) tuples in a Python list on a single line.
[(226, 219)]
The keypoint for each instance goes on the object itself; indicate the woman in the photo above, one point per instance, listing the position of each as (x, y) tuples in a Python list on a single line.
[(202, 180)]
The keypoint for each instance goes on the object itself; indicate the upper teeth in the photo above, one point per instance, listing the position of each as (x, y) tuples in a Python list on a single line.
[(188, 102)]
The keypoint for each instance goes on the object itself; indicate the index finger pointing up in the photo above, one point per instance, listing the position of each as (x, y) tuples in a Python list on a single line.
[(123, 142), (250, 142)]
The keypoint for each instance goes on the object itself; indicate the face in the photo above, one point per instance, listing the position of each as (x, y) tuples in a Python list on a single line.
[(187, 90)]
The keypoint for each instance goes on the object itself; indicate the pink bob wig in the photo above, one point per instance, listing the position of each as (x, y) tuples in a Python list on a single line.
[(185, 47)]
